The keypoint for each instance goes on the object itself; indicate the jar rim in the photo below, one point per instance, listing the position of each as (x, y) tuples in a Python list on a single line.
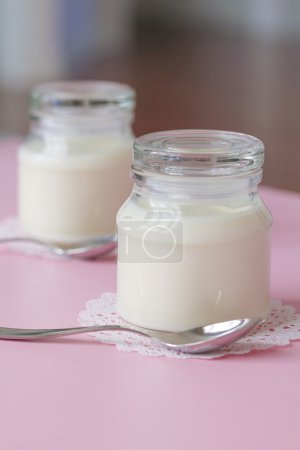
[(80, 97), (198, 153)]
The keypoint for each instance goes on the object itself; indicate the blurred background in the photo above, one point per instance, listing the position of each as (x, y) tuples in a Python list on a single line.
[(214, 64)]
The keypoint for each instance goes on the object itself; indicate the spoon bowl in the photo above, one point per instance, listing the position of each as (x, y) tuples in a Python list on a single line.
[(197, 340)]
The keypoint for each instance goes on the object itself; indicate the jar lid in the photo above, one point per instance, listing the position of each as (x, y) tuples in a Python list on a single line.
[(80, 97), (197, 153)]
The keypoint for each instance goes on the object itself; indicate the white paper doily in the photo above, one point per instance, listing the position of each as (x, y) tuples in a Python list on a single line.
[(281, 327)]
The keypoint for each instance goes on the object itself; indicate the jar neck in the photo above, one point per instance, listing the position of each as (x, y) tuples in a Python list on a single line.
[(196, 188), (116, 121)]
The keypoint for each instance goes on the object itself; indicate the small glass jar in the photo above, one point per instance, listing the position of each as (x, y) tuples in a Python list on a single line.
[(74, 166), (194, 236)]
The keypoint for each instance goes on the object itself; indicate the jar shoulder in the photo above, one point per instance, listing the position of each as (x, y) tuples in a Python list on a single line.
[(74, 144), (72, 152), (247, 211)]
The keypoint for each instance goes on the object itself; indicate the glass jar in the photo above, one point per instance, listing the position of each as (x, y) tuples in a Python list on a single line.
[(194, 236), (74, 166)]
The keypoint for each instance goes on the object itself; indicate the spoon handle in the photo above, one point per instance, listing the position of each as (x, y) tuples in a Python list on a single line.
[(30, 240), (32, 334), (85, 250), (22, 239)]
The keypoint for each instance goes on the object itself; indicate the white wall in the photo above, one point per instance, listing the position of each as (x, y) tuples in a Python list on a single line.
[(42, 40), (29, 42)]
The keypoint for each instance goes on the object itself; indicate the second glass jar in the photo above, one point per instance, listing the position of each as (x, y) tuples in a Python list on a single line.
[(74, 166)]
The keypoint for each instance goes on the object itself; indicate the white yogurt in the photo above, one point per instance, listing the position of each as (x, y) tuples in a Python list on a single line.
[(70, 190), (219, 270)]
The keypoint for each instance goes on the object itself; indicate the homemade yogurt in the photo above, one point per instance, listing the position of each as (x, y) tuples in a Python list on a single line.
[(193, 249)]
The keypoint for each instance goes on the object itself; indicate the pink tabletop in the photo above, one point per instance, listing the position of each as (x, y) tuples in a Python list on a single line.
[(74, 393)]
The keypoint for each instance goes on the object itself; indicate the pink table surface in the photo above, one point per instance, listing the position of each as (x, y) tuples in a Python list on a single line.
[(78, 394)]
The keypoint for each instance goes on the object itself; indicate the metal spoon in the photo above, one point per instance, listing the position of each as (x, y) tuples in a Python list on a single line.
[(197, 340), (84, 250)]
